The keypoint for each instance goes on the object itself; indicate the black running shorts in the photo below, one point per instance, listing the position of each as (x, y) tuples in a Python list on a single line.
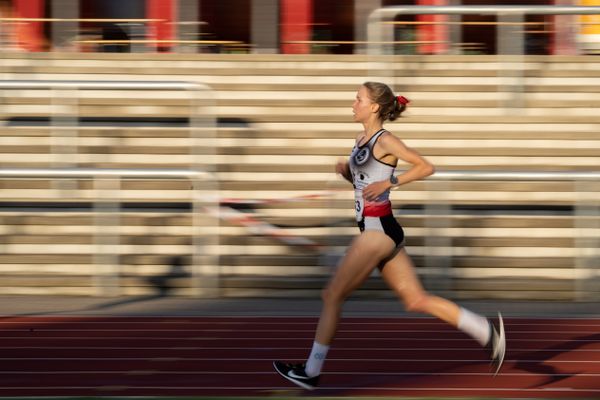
[(386, 224)]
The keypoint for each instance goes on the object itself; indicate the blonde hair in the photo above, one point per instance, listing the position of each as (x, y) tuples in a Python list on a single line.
[(390, 105)]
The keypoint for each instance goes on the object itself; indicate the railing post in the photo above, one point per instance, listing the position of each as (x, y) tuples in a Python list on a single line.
[(381, 66), (107, 236), (264, 30), (362, 10), (137, 34), (206, 264), (438, 242), (64, 121), (454, 31), (510, 43), (510, 35), (587, 240), (66, 29)]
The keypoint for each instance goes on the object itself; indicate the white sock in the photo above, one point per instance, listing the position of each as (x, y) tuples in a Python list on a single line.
[(474, 325), (316, 359)]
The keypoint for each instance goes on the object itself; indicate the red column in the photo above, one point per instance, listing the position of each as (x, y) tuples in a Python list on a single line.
[(563, 35), (30, 34), (434, 31), (162, 30), (296, 25)]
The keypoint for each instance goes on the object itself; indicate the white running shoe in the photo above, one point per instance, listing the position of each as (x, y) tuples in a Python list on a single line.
[(497, 344)]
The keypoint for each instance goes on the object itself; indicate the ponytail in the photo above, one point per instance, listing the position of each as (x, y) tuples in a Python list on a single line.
[(400, 103), (390, 106)]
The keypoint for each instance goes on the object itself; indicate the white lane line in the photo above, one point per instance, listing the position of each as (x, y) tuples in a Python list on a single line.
[(458, 389), (190, 348), (128, 320), (213, 359), (399, 322), (280, 331), (158, 372), (310, 338), (323, 388), (142, 318)]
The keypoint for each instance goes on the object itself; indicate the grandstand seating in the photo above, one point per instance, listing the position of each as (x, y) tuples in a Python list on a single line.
[(282, 122)]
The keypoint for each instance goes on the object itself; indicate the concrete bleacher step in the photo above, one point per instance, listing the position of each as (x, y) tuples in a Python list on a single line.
[(337, 62), (567, 147), (464, 111), (575, 148), (89, 103)]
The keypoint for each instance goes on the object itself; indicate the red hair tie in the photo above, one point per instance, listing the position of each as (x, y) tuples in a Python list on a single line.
[(402, 100)]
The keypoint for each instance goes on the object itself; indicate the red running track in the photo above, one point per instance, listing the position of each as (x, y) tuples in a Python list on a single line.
[(231, 356)]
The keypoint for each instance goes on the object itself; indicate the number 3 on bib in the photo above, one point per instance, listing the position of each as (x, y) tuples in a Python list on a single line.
[(359, 209)]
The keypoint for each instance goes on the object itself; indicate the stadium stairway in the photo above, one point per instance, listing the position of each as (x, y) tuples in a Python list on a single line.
[(281, 122)]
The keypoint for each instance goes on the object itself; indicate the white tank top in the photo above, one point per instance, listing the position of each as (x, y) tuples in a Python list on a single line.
[(366, 169)]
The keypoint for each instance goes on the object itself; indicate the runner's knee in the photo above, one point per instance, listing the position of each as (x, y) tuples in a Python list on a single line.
[(417, 303), (331, 295)]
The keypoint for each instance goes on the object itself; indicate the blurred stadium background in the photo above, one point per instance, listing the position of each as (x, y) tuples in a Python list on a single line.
[(186, 147)]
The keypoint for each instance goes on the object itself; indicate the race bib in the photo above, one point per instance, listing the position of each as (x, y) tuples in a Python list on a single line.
[(359, 204)]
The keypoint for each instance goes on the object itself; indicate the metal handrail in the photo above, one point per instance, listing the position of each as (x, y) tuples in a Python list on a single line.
[(205, 277), (136, 173), (103, 85), (106, 211), (392, 11), (517, 175), (154, 173), (376, 32), (441, 262), (586, 214)]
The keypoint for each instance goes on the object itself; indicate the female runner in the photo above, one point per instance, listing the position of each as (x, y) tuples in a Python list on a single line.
[(371, 170)]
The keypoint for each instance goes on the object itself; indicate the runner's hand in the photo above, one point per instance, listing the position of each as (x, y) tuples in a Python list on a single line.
[(375, 189), (343, 169)]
